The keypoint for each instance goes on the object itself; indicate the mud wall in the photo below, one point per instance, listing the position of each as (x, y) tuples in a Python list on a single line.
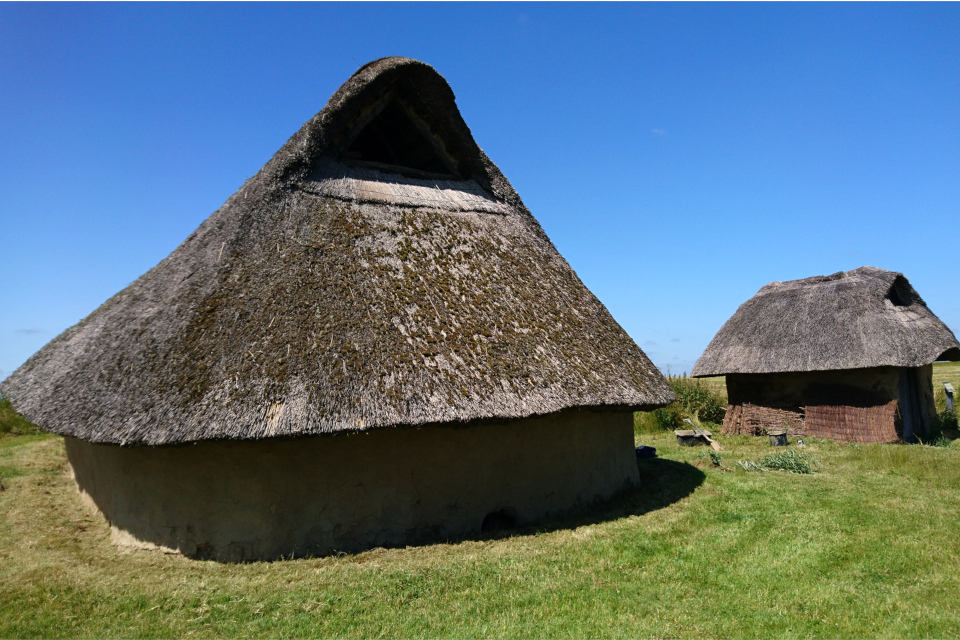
[(237, 500), (797, 390)]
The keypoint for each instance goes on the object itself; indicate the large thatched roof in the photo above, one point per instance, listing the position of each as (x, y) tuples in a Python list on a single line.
[(867, 317), (379, 271)]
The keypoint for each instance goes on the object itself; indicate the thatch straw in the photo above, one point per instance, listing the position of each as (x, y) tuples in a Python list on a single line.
[(326, 297), (867, 317)]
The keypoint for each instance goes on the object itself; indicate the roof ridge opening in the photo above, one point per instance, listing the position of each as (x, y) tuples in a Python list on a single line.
[(900, 292), (395, 140)]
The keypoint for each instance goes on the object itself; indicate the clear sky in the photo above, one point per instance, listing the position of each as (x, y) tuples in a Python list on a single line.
[(679, 156)]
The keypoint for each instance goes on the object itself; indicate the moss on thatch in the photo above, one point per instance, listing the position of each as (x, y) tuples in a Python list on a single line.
[(857, 319), (328, 296)]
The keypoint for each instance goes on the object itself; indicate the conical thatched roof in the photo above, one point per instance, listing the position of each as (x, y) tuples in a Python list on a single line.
[(379, 271), (867, 317)]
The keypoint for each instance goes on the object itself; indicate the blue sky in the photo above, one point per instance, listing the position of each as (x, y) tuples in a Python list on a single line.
[(680, 156)]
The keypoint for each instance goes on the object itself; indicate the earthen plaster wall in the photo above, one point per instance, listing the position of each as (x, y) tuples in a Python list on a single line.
[(246, 500), (798, 389)]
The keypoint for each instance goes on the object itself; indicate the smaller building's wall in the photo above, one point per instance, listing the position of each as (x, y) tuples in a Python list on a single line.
[(918, 411), (849, 423), (796, 390), (925, 385), (750, 419), (264, 499), (856, 404)]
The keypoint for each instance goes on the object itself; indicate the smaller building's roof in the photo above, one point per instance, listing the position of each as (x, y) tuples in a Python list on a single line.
[(856, 319)]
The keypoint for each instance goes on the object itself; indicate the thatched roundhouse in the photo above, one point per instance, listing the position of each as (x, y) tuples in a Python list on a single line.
[(372, 342), (846, 357)]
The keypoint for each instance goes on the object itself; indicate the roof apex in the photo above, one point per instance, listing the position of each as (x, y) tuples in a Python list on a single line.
[(328, 298)]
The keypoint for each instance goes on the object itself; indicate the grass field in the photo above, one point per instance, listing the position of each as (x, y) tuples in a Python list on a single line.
[(945, 372), (716, 385), (867, 547)]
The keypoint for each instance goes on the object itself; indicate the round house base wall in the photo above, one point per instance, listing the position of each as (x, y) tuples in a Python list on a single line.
[(257, 500)]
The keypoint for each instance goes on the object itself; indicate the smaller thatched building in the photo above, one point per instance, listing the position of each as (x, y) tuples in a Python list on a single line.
[(847, 356)]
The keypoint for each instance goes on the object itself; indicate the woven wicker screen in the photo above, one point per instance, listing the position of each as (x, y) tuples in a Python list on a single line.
[(834, 422), (853, 424)]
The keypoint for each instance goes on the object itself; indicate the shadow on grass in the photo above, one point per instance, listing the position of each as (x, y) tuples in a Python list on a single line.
[(662, 483)]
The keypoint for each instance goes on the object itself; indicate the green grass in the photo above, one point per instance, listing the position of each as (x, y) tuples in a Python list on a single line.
[(699, 400), (866, 547), (716, 385), (945, 372), (789, 460), (12, 423)]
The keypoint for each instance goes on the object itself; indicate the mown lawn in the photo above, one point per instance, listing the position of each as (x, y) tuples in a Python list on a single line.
[(946, 372), (868, 547)]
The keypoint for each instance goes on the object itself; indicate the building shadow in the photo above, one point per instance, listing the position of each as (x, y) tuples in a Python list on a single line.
[(950, 434), (662, 483)]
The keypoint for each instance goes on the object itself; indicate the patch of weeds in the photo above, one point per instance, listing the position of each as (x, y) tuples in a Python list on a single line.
[(947, 420), (941, 441), (940, 431), (695, 401), (668, 418), (714, 458), (790, 461), (698, 401), (14, 424), (665, 419)]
